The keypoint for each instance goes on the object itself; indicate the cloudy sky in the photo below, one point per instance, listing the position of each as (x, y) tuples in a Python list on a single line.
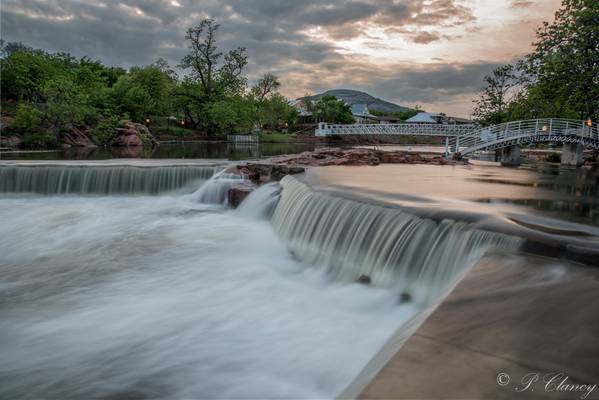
[(428, 52)]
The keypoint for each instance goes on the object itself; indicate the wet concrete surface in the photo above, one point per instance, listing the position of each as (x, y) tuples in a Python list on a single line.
[(512, 319)]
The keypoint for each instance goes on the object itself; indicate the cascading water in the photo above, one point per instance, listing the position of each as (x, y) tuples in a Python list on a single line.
[(421, 257), (216, 189), (169, 297), (262, 202), (69, 179)]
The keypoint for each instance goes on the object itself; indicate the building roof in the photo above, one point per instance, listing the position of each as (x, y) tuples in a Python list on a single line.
[(422, 117)]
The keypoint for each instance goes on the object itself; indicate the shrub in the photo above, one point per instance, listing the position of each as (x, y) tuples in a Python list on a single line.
[(553, 158), (39, 140), (106, 129), (28, 119)]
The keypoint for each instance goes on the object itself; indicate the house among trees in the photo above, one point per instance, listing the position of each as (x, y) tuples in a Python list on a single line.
[(363, 115), (303, 107)]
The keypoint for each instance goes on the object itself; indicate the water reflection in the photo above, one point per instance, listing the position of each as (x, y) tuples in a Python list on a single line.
[(567, 193), (191, 150), (578, 182), (576, 211)]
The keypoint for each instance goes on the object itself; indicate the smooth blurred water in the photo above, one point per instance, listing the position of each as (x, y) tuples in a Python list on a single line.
[(162, 297), (548, 190), (178, 150), (103, 179), (175, 296)]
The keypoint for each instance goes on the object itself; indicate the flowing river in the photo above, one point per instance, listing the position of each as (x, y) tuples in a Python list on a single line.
[(136, 281)]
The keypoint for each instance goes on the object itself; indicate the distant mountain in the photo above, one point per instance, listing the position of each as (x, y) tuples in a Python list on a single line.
[(356, 97)]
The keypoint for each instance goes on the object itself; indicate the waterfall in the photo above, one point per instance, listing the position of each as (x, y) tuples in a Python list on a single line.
[(421, 257), (216, 189), (261, 202), (69, 179)]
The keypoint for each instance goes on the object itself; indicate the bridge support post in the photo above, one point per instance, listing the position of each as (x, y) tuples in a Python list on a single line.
[(508, 156), (572, 154), (320, 129), (446, 146)]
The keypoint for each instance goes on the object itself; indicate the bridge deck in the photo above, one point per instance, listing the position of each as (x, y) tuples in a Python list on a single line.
[(466, 139), (394, 129)]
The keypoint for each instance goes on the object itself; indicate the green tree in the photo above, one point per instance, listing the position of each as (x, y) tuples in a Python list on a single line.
[(67, 105), (213, 76), (493, 103), (144, 91), (266, 86), (402, 115), (276, 111), (235, 114), (564, 65), (559, 78), (28, 119), (25, 71), (29, 123), (273, 110), (329, 109)]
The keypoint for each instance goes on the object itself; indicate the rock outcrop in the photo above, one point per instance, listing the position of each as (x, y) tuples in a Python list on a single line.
[(359, 156), (276, 168), (76, 138), (267, 172), (252, 175), (256, 174), (10, 142), (133, 134), (239, 192)]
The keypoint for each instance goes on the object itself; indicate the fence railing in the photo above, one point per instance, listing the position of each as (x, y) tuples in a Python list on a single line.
[(539, 130), (325, 129), (243, 138)]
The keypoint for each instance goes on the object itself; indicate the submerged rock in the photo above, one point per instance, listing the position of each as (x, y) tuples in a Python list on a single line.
[(364, 279), (405, 297)]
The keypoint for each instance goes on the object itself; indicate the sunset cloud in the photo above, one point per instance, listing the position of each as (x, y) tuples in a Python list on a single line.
[(428, 52)]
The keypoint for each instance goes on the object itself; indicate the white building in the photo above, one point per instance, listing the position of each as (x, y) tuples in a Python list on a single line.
[(362, 114)]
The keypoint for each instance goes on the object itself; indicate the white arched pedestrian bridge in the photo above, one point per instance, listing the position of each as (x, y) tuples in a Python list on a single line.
[(466, 139), (325, 129), (510, 134)]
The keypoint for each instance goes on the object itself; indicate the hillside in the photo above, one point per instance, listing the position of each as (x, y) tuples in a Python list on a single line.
[(356, 97)]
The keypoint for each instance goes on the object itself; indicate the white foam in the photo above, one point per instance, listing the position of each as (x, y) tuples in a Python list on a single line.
[(162, 297)]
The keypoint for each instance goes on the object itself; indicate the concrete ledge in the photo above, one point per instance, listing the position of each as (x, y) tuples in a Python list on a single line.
[(511, 314)]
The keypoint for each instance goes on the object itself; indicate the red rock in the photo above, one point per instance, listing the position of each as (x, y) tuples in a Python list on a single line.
[(238, 193), (356, 156), (133, 134), (127, 140), (11, 142), (76, 138)]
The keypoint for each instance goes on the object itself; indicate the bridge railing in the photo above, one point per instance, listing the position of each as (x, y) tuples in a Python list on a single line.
[(243, 139), (325, 129), (546, 129)]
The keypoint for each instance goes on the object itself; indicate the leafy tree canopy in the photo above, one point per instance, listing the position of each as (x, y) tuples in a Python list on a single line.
[(329, 109), (559, 78)]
